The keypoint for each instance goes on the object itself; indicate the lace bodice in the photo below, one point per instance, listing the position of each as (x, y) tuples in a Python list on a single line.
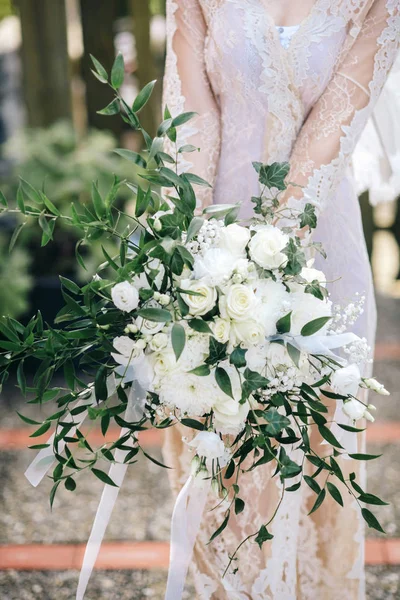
[(262, 98)]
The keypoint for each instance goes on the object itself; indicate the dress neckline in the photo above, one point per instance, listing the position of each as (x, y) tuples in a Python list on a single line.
[(297, 29)]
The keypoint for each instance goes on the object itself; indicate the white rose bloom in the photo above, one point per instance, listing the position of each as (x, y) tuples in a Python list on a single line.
[(375, 386), (240, 302), (250, 332), (266, 247), (125, 346), (274, 297), (189, 393), (306, 308), (310, 274), (221, 329), (346, 381), (199, 305), (354, 409), (234, 238), (125, 296), (158, 342), (278, 359), (208, 444), (229, 414), (148, 327), (215, 267), (164, 363)]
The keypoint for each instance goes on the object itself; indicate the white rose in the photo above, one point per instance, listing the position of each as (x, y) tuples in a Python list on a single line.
[(278, 359), (234, 238), (158, 342), (375, 386), (306, 308), (208, 444), (164, 363), (199, 305), (124, 345), (266, 247), (229, 415), (125, 296), (275, 302), (148, 327), (221, 329), (249, 332), (240, 302), (215, 267), (311, 274), (346, 381), (354, 409)]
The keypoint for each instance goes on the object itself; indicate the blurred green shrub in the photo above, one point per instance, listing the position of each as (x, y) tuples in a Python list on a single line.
[(15, 281)]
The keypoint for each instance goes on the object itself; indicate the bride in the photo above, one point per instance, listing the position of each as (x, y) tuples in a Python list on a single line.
[(282, 80)]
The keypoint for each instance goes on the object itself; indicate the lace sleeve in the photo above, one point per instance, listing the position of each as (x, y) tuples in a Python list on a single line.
[(328, 137), (187, 88)]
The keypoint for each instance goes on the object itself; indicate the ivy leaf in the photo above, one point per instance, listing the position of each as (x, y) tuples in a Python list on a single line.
[(216, 352), (334, 492), (118, 71), (254, 380), (263, 536), (223, 380), (238, 357), (276, 421), (273, 175), (178, 338), (308, 217), (315, 289), (296, 258)]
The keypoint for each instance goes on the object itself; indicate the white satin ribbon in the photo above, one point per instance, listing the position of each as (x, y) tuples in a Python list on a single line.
[(186, 518), (133, 413)]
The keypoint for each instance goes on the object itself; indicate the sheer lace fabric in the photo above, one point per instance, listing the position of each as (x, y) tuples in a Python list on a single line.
[(307, 103)]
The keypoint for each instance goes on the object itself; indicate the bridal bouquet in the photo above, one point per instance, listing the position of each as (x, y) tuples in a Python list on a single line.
[(223, 327)]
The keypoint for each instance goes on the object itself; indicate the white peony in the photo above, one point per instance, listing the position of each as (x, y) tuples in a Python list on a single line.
[(306, 308), (240, 302), (221, 329), (250, 333), (346, 381), (275, 303), (266, 247), (208, 444), (199, 305), (125, 296), (189, 393), (234, 238), (158, 342), (354, 409), (215, 267)]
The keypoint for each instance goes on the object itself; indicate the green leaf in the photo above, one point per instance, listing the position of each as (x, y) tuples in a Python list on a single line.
[(131, 156), (371, 499), (98, 204), (48, 203), (283, 325), (296, 258), (200, 326), (254, 380), (334, 492), (21, 377), (70, 484), (103, 477), (143, 96), (238, 357), (316, 289), (349, 428), (159, 315), (312, 484), (113, 108), (20, 199), (69, 374), (197, 180), (319, 501), (53, 493), (195, 225), (371, 520), (216, 351), (263, 536), (273, 175), (201, 371), (328, 436), (100, 383), (188, 148), (223, 380), (15, 236), (42, 429), (276, 421), (70, 285), (294, 353), (178, 338), (118, 72), (365, 456), (313, 326), (3, 199), (193, 424), (220, 528), (183, 118), (100, 70), (308, 217), (27, 420), (239, 506)]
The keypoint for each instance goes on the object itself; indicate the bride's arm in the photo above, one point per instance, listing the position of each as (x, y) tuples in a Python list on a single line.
[(187, 88), (328, 137)]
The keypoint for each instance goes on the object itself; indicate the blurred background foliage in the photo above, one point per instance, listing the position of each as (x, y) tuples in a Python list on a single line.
[(52, 136)]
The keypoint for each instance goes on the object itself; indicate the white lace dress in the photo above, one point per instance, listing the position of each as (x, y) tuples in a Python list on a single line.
[(303, 94)]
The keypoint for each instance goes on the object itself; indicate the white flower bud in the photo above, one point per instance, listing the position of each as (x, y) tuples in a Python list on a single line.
[(195, 465), (140, 344), (157, 225)]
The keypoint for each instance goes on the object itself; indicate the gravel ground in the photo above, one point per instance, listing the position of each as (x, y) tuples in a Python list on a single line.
[(383, 583)]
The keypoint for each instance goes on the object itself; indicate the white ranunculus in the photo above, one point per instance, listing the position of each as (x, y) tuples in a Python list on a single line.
[(266, 247), (375, 386), (306, 308), (189, 393), (250, 333), (354, 409), (275, 303), (215, 267), (125, 296), (208, 444), (158, 342), (346, 381), (234, 238), (240, 302), (199, 305), (221, 329)]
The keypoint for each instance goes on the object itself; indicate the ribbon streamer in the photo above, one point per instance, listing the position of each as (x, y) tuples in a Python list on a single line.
[(186, 518)]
